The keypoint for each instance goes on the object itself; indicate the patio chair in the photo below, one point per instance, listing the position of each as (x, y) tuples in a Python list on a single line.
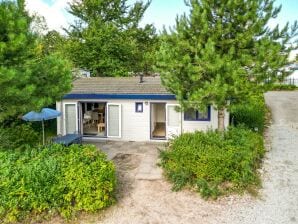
[(94, 117), (100, 127)]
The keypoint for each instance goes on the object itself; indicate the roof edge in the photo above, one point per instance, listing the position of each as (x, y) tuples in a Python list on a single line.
[(120, 96)]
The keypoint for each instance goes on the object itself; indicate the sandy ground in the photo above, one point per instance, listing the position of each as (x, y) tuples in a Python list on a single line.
[(142, 201)]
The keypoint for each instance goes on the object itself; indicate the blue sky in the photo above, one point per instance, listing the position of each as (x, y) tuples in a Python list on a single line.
[(163, 12), (160, 13)]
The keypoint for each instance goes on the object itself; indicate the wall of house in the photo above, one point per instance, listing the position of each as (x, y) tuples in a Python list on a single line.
[(191, 126), (136, 126)]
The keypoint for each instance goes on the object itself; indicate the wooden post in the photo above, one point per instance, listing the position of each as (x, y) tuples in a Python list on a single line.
[(221, 120)]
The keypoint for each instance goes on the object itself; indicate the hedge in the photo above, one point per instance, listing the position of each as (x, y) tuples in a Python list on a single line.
[(213, 164), (54, 180), (251, 114)]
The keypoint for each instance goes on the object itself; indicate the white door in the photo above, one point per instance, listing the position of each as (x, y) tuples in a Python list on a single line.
[(114, 120), (173, 120), (70, 118), (80, 119)]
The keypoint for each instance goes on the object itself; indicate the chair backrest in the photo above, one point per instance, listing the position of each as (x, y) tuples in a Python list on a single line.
[(94, 115), (89, 112), (87, 116)]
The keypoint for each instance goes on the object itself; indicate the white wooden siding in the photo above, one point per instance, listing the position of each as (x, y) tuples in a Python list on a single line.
[(191, 126), (136, 126)]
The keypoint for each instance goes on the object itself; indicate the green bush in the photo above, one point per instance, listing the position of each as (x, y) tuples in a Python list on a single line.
[(251, 114), (214, 164), (54, 180), (18, 136), (284, 87)]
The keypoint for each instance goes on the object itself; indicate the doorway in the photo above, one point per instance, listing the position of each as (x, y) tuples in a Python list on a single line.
[(158, 120), (93, 116)]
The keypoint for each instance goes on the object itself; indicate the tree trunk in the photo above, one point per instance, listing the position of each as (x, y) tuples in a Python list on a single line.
[(221, 120)]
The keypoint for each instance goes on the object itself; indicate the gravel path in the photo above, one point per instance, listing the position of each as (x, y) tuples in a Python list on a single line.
[(279, 196), (144, 201)]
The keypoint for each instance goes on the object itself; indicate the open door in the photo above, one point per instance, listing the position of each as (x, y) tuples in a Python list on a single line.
[(80, 129), (158, 120), (173, 120), (114, 120), (70, 118)]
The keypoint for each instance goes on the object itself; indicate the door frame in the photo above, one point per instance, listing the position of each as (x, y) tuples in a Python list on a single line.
[(120, 119), (82, 117), (179, 121), (150, 120), (64, 115)]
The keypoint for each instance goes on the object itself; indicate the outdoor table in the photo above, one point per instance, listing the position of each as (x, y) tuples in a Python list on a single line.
[(68, 139)]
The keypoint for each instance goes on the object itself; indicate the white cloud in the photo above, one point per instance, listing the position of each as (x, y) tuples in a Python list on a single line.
[(55, 14)]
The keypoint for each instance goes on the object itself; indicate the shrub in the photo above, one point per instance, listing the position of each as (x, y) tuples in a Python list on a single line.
[(284, 87), (214, 164), (18, 136), (251, 114), (54, 180)]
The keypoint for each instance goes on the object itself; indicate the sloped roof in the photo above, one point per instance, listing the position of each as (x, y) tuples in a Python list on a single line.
[(118, 85)]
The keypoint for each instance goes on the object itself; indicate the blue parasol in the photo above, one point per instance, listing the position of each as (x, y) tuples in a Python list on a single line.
[(45, 114)]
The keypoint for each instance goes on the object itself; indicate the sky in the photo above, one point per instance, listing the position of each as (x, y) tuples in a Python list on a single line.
[(160, 12)]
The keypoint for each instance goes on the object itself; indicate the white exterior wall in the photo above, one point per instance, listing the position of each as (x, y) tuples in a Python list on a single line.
[(191, 126), (136, 126)]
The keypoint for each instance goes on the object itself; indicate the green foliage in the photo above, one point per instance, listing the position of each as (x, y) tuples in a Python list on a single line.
[(284, 87), (18, 136), (52, 42), (29, 79), (251, 113), (212, 163), (107, 40), (54, 180), (223, 50)]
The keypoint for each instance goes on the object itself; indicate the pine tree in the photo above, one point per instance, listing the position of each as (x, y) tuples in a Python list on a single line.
[(223, 51), (52, 42), (106, 37), (29, 79)]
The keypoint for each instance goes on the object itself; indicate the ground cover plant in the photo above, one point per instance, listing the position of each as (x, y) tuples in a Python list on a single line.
[(40, 182), (251, 113), (214, 163)]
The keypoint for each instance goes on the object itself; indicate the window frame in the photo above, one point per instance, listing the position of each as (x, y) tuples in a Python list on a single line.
[(197, 115), (136, 107)]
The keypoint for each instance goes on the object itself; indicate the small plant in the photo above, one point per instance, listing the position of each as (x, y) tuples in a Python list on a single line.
[(54, 180), (214, 164), (251, 114)]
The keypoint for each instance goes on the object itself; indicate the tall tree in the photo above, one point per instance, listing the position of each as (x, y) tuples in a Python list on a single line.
[(52, 42), (106, 37), (29, 79), (223, 50)]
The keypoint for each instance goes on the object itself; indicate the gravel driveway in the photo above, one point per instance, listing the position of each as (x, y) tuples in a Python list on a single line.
[(279, 196), (146, 198)]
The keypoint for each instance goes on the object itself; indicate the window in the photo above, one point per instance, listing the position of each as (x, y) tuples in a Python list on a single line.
[(195, 115), (139, 107)]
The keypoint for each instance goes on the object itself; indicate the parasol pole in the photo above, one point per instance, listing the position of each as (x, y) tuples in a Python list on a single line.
[(43, 135)]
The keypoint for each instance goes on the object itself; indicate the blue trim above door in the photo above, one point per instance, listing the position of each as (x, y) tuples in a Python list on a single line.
[(120, 96)]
